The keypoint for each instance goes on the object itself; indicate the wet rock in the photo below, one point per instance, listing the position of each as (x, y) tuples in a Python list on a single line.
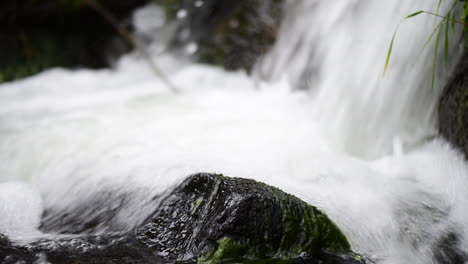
[(111, 248), (211, 218), (10, 253), (447, 249), (453, 108), (206, 219), (233, 34)]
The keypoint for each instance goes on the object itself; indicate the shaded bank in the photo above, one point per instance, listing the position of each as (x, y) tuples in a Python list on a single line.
[(69, 33), (45, 34), (453, 108)]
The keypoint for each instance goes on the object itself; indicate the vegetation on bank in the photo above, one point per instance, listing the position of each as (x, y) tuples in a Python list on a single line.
[(74, 33), (453, 105), (441, 31), (38, 35)]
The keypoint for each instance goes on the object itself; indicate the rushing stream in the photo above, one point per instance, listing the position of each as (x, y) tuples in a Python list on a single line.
[(316, 119)]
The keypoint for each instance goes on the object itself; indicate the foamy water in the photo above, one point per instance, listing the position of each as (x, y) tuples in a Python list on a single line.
[(343, 144)]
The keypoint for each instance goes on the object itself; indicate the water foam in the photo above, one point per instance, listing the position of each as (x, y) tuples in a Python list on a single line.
[(21, 209)]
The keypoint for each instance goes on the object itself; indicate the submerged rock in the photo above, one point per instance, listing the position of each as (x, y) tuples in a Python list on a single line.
[(206, 219), (453, 108)]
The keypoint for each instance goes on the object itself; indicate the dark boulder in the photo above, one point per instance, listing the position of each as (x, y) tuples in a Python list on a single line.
[(233, 34), (206, 219), (212, 217), (453, 108)]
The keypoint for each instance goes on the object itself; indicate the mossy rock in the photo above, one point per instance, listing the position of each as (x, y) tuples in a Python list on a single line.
[(215, 218), (232, 34), (207, 219), (453, 108)]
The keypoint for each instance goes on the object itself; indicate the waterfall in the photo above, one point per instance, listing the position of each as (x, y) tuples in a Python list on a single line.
[(316, 119), (337, 50)]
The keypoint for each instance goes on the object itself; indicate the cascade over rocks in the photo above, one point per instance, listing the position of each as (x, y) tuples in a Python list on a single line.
[(453, 108), (206, 219), (233, 34)]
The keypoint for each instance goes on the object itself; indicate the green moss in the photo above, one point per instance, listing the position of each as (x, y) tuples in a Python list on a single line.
[(242, 221), (230, 251), (308, 232), (227, 249)]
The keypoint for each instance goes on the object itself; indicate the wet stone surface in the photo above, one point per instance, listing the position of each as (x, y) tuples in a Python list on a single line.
[(206, 219), (232, 34), (453, 108)]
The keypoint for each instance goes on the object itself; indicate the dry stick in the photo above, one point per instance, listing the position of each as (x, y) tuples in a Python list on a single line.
[(94, 4)]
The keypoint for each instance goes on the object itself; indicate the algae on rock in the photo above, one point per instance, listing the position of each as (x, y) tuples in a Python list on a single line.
[(240, 218)]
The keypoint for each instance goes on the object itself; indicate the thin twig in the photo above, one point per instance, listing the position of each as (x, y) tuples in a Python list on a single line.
[(94, 4), (444, 17)]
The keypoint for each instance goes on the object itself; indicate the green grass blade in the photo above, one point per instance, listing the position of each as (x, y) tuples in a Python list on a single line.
[(438, 6), (446, 46), (431, 37), (389, 53), (415, 14), (453, 23), (434, 64)]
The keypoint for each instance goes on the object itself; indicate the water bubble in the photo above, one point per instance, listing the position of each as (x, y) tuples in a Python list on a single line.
[(191, 48), (182, 14), (234, 23)]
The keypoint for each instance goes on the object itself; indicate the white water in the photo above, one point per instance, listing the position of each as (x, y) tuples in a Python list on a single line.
[(337, 49), (359, 147)]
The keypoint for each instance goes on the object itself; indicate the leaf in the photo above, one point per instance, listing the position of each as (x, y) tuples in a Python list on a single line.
[(389, 54), (465, 11), (438, 6), (453, 23), (434, 64), (430, 37), (446, 46), (415, 14)]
